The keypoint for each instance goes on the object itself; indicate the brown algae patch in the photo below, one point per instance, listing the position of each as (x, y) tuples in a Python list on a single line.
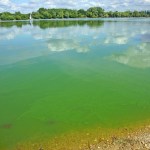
[(95, 139), (51, 122), (6, 126)]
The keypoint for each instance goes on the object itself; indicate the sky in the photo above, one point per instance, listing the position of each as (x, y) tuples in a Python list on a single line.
[(26, 6)]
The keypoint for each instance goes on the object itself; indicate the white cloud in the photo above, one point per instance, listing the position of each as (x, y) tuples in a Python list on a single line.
[(33, 5)]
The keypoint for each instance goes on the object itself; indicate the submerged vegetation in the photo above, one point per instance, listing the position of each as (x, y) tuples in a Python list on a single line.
[(93, 12)]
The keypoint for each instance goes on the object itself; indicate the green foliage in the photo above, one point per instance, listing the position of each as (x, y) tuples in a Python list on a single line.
[(93, 12), (81, 13), (6, 16), (66, 14), (36, 15)]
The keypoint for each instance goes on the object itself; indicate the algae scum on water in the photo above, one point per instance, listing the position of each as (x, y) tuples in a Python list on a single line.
[(64, 76)]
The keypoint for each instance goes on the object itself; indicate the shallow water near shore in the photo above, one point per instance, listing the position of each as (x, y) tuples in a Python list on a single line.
[(64, 76)]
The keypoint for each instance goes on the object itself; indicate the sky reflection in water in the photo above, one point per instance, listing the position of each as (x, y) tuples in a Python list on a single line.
[(48, 37)]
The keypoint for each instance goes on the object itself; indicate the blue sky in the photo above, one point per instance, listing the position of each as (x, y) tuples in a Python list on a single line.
[(26, 6)]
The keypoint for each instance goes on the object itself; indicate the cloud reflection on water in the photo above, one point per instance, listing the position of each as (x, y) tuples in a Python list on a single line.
[(42, 38), (138, 56), (59, 45)]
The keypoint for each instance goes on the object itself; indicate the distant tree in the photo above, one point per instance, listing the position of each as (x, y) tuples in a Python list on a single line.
[(81, 13), (136, 14), (17, 17), (46, 15), (53, 14), (66, 14), (105, 15), (60, 14), (110, 14), (18, 13), (36, 15), (41, 10), (7, 16), (95, 12), (73, 14)]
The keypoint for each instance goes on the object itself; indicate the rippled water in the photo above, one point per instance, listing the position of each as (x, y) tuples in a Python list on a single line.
[(59, 76)]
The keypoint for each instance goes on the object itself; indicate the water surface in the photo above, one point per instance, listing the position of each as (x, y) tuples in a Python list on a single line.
[(61, 76)]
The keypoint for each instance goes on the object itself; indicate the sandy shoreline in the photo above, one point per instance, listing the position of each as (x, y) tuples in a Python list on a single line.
[(123, 139), (138, 140)]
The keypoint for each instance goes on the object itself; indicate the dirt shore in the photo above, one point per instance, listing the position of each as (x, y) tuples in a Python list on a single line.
[(138, 140), (122, 139)]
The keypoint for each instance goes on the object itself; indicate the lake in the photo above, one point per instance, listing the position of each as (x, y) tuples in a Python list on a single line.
[(58, 76)]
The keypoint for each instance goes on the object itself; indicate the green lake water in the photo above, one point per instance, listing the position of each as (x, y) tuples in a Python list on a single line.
[(60, 76)]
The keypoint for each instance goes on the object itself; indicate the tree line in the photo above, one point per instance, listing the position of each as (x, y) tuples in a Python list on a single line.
[(93, 12)]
